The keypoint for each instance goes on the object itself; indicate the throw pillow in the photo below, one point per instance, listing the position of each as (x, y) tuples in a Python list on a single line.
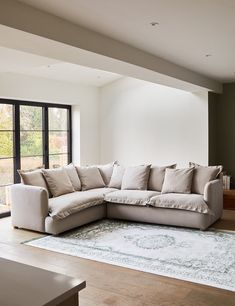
[(136, 177), (90, 177), (73, 175), (106, 172), (202, 175), (178, 180), (116, 178), (58, 181), (33, 177), (156, 177)]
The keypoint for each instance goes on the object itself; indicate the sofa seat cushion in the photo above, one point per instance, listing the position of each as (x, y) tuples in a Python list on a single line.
[(191, 202), (68, 204), (134, 197)]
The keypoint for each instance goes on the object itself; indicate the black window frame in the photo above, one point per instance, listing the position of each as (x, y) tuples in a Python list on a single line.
[(45, 127)]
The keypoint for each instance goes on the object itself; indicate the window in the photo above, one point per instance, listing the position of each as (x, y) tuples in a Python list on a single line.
[(31, 135), (58, 136), (6, 153)]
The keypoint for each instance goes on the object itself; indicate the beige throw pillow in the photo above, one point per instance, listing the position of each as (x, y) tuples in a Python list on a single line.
[(90, 177), (202, 175), (58, 181), (33, 178), (178, 181), (106, 172), (73, 175), (116, 178), (156, 177), (136, 177)]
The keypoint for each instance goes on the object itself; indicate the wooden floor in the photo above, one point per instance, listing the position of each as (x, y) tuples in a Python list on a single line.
[(111, 285)]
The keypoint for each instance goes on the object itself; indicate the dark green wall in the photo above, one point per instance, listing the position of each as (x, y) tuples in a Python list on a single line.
[(222, 129)]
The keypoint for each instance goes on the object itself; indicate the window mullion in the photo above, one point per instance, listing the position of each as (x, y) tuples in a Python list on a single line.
[(16, 144), (69, 134), (45, 137)]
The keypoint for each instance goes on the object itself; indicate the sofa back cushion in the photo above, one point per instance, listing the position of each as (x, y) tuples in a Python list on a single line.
[(33, 177), (73, 176), (90, 177), (136, 177), (116, 178), (156, 177), (178, 181), (202, 175), (106, 172), (58, 181)]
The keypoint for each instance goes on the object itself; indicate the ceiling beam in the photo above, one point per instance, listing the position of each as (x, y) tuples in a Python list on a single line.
[(104, 52)]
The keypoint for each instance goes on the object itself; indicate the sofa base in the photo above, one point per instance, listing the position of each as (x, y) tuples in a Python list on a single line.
[(165, 216), (82, 217)]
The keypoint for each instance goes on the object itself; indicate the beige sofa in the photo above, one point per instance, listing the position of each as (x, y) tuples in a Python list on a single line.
[(33, 209)]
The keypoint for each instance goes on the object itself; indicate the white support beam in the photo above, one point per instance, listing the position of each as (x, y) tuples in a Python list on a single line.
[(45, 34)]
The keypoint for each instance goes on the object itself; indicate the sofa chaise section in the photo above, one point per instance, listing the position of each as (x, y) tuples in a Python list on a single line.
[(33, 209)]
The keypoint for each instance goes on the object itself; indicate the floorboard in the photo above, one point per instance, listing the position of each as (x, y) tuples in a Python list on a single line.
[(109, 285)]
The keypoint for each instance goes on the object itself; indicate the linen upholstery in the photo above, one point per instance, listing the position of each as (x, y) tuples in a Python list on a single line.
[(58, 181), (136, 177), (68, 204), (73, 176), (33, 178), (213, 196), (203, 175), (194, 202), (116, 178), (90, 214), (90, 177), (178, 181), (149, 214), (134, 197), (106, 172), (29, 207), (156, 176)]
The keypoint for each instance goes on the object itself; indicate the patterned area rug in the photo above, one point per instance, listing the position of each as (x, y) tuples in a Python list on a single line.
[(201, 257)]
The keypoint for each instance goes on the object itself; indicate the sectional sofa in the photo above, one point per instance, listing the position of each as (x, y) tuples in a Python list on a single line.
[(57, 200)]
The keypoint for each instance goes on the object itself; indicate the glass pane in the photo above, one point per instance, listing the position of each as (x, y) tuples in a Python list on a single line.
[(2, 197), (31, 162), (58, 119), (6, 117), (58, 142), (6, 144), (30, 117), (6, 171), (30, 143), (58, 160)]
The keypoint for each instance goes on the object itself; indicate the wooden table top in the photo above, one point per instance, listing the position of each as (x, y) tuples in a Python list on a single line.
[(229, 191), (23, 285)]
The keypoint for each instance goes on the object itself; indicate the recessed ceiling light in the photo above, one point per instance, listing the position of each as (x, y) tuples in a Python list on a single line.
[(208, 55), (154, 23)]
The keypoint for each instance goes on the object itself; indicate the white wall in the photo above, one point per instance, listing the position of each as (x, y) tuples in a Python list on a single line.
[(85, 108), (144, 122), (129, 120)]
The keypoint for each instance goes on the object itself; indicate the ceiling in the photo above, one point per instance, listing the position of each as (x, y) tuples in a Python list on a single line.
[(14, 61), (187, 32)]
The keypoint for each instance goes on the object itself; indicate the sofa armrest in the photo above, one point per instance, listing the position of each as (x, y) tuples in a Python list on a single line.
[(29, 207), (213, 195)]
